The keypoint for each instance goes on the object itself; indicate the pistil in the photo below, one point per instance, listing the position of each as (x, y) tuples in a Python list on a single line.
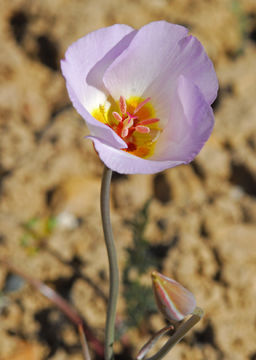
[(128, 122)]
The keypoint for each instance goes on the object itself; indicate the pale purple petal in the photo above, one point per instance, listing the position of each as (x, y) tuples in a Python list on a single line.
[(125, 163), (84, 54), (193, 62), (189, 127), (80, 58), (150, 51), (95, 75)]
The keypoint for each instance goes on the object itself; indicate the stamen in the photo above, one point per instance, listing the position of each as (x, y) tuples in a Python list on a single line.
[(125, 132), (141, 105), (122, 105), (142, 129), (117, 116), (149, 121)]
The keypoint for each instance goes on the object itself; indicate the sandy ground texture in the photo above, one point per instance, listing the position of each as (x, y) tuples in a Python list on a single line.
[(201, 220)]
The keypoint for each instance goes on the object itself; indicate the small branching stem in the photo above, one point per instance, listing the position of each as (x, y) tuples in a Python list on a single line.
[(177, 336)]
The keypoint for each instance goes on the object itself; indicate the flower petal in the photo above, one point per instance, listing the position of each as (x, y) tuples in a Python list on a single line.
[(189, 126), (150, 51), (95, 75), (190, 60), (193, 62), (85, 53), (99, 47), (125, 163)]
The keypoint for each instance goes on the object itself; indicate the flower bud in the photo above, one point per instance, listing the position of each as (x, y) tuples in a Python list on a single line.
[(173, 300)]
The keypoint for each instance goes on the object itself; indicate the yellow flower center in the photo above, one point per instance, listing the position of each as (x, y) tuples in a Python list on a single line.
[(134, 121)]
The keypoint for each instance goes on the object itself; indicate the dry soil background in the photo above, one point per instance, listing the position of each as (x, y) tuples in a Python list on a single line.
[(205, 212)]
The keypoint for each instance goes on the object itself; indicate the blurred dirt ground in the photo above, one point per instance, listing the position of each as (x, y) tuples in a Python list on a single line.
[(48, 171)]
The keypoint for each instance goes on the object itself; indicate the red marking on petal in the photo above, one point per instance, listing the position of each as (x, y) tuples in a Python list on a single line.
[(149, 121), (141, 105), (142, 129), (131, 146), (117, 116), (122, 104)]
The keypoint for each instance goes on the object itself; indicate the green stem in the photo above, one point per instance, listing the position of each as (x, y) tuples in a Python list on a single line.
[(113, 265)]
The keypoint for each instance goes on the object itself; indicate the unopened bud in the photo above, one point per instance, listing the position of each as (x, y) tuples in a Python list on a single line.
[(173, 300)]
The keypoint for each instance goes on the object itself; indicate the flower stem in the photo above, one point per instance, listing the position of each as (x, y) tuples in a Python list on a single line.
[(113, 266), (179, 334)]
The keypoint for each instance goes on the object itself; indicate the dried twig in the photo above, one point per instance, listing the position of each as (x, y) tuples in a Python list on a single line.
[(66, 308)]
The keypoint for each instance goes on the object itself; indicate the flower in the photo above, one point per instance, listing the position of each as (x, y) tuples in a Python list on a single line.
[(145, 94), (173, 300)]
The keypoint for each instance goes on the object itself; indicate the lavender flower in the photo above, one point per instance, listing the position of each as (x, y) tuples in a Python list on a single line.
[(144, 94)]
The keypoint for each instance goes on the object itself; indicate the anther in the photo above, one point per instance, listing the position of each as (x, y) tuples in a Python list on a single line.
[(149, 121), (142, 129), (125, 132), (122, 105), (117, 116)]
